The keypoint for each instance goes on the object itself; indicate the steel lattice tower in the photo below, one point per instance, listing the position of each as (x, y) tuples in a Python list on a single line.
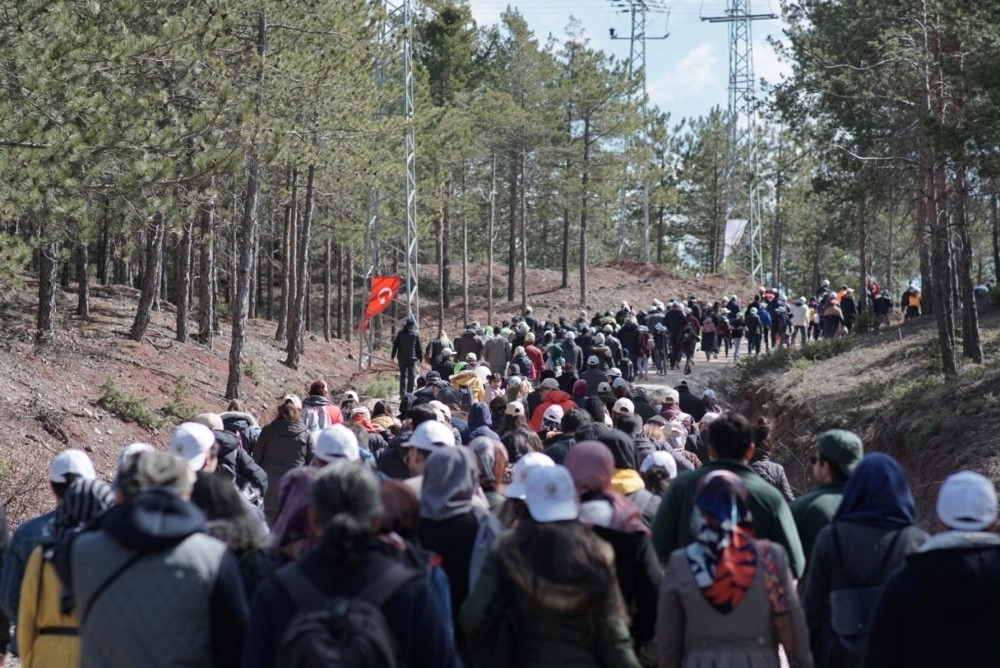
[(391, 218), (637, 10), (742, 184)]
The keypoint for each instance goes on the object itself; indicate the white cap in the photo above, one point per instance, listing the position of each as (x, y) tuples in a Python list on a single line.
[(660, 458), (553, 413), (514, 408), (71, 461), (337, 442), (210, 420), (431, 436), (709, 417), (623, 406), (551, 495), (615, 372), (967, 502), (294, 398), (672, 394), (350, 395), (516, 489), (549, 384), (442, 409), (471, 357), (191, 442), (130, 451), (593, 361), (603, 386)]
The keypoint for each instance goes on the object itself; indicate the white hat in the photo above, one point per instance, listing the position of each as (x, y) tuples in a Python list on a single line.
[(967, 502), (210, 420), (130, 451), (516, 489), (709, 394), (549, 384), (603, 386), (431, 436), (677, 428), (551, 495), (660, 458), (514, 408), (191, 442), (74, 462), (471, 357), (619, 382), (337, 442), (553, 413), (673, 395), (350, 395), (709, 417), (593, 361), (441, 408), (614, 372), (623, 406), (294, 399)]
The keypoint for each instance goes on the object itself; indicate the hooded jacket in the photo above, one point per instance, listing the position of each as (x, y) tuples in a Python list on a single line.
[(554, 398), (628, 335), (237, 463), (496, 352), (406, 346), (175, 583), (480, 423), (282, 445), (942, 608)]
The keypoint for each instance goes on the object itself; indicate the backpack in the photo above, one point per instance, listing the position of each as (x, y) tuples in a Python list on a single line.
[(628, 371), (316, 417), (340, 631), (708, 326), (465, 399), (646, 342)]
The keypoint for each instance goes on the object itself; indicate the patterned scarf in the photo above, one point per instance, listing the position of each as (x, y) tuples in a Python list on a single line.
[(84, 500), (723, 558), (292, 535)]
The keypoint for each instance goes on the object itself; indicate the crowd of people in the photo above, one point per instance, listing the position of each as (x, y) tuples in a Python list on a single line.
[(551, 513)]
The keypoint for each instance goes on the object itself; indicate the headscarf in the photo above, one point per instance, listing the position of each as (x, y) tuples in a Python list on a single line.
[(362, 416), (450, 480), (622, 448), (491, 457), (877, 495), (723, 558), (580, 388), (83, 501), (592, 465), (292, 535)]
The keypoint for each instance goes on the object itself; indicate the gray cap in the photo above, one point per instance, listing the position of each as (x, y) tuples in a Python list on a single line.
[(844, 448)]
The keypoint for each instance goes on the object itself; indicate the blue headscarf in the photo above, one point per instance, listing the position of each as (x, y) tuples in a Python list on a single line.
[(877, 495)]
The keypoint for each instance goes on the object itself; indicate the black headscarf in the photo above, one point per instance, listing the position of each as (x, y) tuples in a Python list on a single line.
[(622, 448)]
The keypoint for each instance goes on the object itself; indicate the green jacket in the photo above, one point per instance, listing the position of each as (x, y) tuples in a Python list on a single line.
[(771, 517), (814, 511), (553, 630)]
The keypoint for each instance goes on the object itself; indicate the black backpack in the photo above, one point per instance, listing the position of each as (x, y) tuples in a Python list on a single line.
[(340, 631)]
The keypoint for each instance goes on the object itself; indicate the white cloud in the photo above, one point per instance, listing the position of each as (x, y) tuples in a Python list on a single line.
[(699, 76)]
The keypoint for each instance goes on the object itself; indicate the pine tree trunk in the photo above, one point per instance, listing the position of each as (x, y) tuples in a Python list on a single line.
[(48, 274), (206, 284), (184, 283), (254, 280), (512, 231), (565, 248), (446, 241), (585, 185), (104, 242), (340, 291), (489, 239), (862, 293), (972, 346), (293, 252), (995, 223), (349, 333), (941, 267), (270, 271), (327, 268), (524, 233), (465, 270), (150, 277), (83, 281), (442, 286), (296, 330)]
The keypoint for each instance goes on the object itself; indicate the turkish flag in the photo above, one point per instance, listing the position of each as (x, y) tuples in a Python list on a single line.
[(384, 289)]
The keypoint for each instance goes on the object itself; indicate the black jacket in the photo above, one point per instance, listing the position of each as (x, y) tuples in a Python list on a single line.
[(942, 608), (629, 337), (237, 464), (690, 404), (406, 346), (639, 577)]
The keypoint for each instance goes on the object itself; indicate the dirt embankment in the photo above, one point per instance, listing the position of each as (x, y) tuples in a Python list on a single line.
[(888, 388)]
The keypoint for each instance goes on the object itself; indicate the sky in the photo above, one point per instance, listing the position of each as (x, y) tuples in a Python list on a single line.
[(687, 73)]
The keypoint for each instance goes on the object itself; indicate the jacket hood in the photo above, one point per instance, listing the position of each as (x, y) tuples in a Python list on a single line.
[(479, 415), (153, 521), (227, 440), (622, 448), (959, 570), (315, 400), (450, 479), (627, 481), (288, 428), (558, 397)]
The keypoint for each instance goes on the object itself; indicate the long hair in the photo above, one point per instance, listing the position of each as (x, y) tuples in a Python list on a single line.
[(347, 505), (289, 411)]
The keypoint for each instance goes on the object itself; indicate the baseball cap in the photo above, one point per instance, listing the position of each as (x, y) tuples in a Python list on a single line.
[(709, 394), (191, 441), (841, 447), (210, 420), (620, 382), (337, 442), (432, 375), (351, 395), (553, 413), (292, 398), (671, 396), (657, 419), (660, 458), (441, 408), (514, 408), (516, 489), (75, 462), (550, 494), (615, 372), (447, 352), (431, 436), (593, 361), (967, 502), (549, 384), (623, 406), (603, 386), (471, 357)]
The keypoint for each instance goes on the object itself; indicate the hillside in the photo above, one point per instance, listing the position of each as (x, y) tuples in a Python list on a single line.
[(888, 388), (51, 392)]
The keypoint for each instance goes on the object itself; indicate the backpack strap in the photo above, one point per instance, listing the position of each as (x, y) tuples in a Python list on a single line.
[(307, 597), (839, 556), (303, 592), (389, 583)]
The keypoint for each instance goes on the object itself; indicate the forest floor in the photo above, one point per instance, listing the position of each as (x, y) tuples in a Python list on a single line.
[(50, 393)]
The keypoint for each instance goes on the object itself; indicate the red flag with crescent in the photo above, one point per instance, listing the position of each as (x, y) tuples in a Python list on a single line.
[(384, 289)]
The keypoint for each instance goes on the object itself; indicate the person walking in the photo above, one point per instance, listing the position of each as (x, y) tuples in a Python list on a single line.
[(283, 444), (943, 606), (406, 350), (727, 598), (871, 534)]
